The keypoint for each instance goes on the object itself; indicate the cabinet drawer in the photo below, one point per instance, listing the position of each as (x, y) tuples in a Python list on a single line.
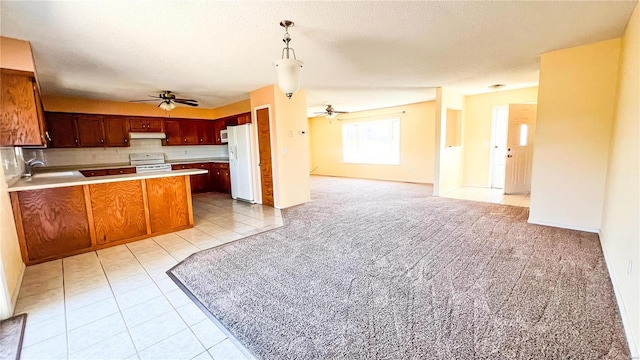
[(181, 166), (121, 171), (91, 173)]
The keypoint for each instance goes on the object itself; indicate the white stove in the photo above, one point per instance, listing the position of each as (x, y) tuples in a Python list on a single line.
[(149, 162)]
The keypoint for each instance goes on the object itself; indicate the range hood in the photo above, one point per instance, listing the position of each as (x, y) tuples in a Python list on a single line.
[(147, 135)]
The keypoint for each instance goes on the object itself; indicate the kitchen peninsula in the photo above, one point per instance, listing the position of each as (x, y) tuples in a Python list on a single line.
[(64, 213)]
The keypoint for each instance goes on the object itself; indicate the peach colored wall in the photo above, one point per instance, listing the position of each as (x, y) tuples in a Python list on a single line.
[(620, 233), (449, 161), (92, 106), (16, 54), (576, 103), (289, 148), (477, 137), (416, 144)]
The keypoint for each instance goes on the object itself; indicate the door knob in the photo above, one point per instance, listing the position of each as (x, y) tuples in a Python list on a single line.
[(509, 156)]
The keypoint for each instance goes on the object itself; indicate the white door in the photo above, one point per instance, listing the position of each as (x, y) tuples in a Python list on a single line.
[(499, 146), (522, 125)]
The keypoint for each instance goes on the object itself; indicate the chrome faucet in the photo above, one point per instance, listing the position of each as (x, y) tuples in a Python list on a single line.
[(29, 165)]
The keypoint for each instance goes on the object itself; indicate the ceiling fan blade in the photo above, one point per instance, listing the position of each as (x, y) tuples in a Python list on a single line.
[(340, 112), (188, 100), (185, 103), (320, 112), (141, 100)]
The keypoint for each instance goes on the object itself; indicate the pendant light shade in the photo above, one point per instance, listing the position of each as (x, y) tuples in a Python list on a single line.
[(167, 105), (288, 68), (288, 72)]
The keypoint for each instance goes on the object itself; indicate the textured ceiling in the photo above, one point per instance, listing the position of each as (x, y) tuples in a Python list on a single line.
[(357, 55)]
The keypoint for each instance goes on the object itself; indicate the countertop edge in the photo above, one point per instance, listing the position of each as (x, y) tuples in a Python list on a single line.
[(78, 181)]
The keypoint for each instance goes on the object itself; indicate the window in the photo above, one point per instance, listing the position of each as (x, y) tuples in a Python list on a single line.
[(372, 142), (524, 134)]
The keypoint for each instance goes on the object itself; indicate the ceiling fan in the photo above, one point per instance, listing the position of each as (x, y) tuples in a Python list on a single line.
[(168, 100), (330, 112)]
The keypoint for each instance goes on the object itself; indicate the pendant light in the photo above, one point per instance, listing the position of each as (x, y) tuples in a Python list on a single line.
[(287, 68)]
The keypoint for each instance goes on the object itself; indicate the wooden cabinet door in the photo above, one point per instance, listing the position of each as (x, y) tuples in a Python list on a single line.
[(116, 131), (90, 130), (201, 182), (206, 132), (189, 130), (62, 130), (225, 180), (172, 130), (118, 211), (54, 221), (154, 125), (244, 119), (169, 203), (137, 124), (21, 123), (219, 125), (214, 177)]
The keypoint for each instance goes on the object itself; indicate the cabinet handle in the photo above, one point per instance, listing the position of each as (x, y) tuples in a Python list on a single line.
[(121, 171), (144, 126), (126, 140), (75, 141), (102, 141), (185, 140)]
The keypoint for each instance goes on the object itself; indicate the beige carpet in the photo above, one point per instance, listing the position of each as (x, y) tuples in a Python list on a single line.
[(382, 270)]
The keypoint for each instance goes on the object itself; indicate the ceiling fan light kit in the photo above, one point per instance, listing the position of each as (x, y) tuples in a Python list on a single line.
[(168, 100), (287, 68)]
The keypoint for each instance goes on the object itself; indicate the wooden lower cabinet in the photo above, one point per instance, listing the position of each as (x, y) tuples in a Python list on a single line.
[(118, 211), (58, 222), (169, 203), (51, 222)]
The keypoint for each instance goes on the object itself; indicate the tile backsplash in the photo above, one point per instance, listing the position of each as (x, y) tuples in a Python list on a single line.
[(96, 156)]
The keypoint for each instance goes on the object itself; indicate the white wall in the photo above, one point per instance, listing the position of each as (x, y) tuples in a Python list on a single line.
[(620, 234), (576, 103)]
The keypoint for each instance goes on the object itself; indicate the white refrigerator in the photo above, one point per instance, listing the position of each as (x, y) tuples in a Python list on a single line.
[(240, 162)]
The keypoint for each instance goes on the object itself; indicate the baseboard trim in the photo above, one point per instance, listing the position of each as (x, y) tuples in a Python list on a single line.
[(563, 226), (633, 348), (14, 296)]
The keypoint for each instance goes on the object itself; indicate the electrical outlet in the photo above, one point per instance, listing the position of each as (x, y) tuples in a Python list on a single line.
[(630, 267)]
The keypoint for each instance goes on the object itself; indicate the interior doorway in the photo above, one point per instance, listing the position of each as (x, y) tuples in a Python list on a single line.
[(499, 131), (522, 126)]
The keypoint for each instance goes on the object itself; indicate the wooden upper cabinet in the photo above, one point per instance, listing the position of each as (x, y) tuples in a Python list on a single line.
[(22, 121), (63, 132), (189, 130), (143, 124), (116, 132), (90, 130), (244, 118), (206, 132), (172, 130)]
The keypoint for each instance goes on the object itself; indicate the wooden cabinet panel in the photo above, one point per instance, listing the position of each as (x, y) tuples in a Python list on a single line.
[(141, 124), (54, 220), (91, 173), (22, 122), (206, 132), (225, 179), (244, 119), (116, 132), (90, 130), (62, 130), (154, 125), (172, 130), (121, 171), (168, 203), (201, 182), (118, 211), (189, 131)]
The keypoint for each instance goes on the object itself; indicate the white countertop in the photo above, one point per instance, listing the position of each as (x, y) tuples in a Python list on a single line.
[(75, 178)]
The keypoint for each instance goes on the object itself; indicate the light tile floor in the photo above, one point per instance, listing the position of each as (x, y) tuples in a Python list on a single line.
[(118, 303), (488, 195)]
